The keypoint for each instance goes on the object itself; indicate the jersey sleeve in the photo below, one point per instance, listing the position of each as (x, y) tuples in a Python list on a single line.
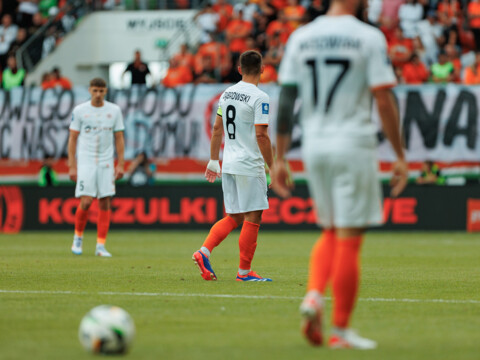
[(76, 123), (379, 68), (288, 72), (118, 125), (262, 110)]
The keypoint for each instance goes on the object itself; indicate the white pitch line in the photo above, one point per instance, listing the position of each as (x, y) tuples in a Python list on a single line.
[(229, 296)]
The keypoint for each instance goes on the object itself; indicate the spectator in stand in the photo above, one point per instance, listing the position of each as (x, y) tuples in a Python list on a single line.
[(8, 33), (184, 57), (400, 49), (294, 13), (138, 69), (249, 8), (219, 55), (9, 7), (414, 72), (448, 11), (47, 176), (177, 74), (26, 10), (141, 171), (237, 32), (45, 5), (409, 15), (472, 72), (390, 10), (57, 80), (473, 13), (19, 41), (207, 21), (430, 174), (225, 13), (454, 58), (268, 10), (280, 26), (12, 76), (443, 70), (260, 32), (206, 75), (46, 81), (269, 74), (430, 32), (275, 51)]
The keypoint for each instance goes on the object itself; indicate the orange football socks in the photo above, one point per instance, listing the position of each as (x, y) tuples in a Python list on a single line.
[(248, 244), (345, 279), (321, 261), (219, 232), (103, 224), (81, 217)]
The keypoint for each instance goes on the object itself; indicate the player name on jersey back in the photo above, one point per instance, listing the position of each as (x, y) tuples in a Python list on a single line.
[(336, 62)]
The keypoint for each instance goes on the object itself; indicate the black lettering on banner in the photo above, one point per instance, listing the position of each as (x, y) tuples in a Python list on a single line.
[(428, 123), (30, 102), (41, 104), (50, 134), (69, 108), (5, 132), (12, 111), (164, 94), (187, 110), (66, 130), (26, 147), (146, 111), (155, 136), (231, 127), (452, 130)]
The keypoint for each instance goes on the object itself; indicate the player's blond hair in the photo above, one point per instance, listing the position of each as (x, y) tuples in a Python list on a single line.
[(98, 82)]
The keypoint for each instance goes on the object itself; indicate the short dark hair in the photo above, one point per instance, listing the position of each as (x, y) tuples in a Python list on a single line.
[(98, 82), (251, 62)]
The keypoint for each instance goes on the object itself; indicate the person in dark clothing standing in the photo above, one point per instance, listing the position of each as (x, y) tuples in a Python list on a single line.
[(138, 69)]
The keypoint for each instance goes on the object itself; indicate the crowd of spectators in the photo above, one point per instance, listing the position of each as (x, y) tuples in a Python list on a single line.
[(434, 41)]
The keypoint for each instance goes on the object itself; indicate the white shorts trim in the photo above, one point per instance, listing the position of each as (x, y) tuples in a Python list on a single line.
[(345, 188), (242, 193)]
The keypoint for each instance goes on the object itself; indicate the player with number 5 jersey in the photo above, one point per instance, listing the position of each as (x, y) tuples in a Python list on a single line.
[(96, 129), (242, 116)]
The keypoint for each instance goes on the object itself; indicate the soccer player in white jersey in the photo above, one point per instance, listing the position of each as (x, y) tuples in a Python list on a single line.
[(335, 65), (243, 116), (97, 127)]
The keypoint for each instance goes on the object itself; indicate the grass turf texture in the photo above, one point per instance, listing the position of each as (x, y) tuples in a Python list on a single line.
[(421, 266)]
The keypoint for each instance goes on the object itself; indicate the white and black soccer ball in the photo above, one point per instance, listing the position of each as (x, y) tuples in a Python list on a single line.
[(107, 329)]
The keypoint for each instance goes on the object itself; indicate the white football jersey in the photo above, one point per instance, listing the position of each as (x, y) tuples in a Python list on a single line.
[(96, 126), (336, 61), (242, 106)]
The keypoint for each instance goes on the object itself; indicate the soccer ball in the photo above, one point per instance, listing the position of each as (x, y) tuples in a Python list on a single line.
[(106, 329)]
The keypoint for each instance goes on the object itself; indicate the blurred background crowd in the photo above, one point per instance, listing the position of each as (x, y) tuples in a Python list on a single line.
[(434, 41)]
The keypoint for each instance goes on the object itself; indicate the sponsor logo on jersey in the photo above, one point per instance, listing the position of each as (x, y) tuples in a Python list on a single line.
[(265, 108), (88, 128)]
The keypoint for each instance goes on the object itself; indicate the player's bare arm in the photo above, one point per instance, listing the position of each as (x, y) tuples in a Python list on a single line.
[(388, 112), (213, 167), (72, 149), (265, 146), (120, 147), (281, 184)]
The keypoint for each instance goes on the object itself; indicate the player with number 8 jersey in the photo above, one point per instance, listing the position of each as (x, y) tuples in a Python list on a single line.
[(242, 115)]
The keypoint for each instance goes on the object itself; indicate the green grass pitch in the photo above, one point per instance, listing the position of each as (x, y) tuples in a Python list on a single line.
[(419, 298)]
